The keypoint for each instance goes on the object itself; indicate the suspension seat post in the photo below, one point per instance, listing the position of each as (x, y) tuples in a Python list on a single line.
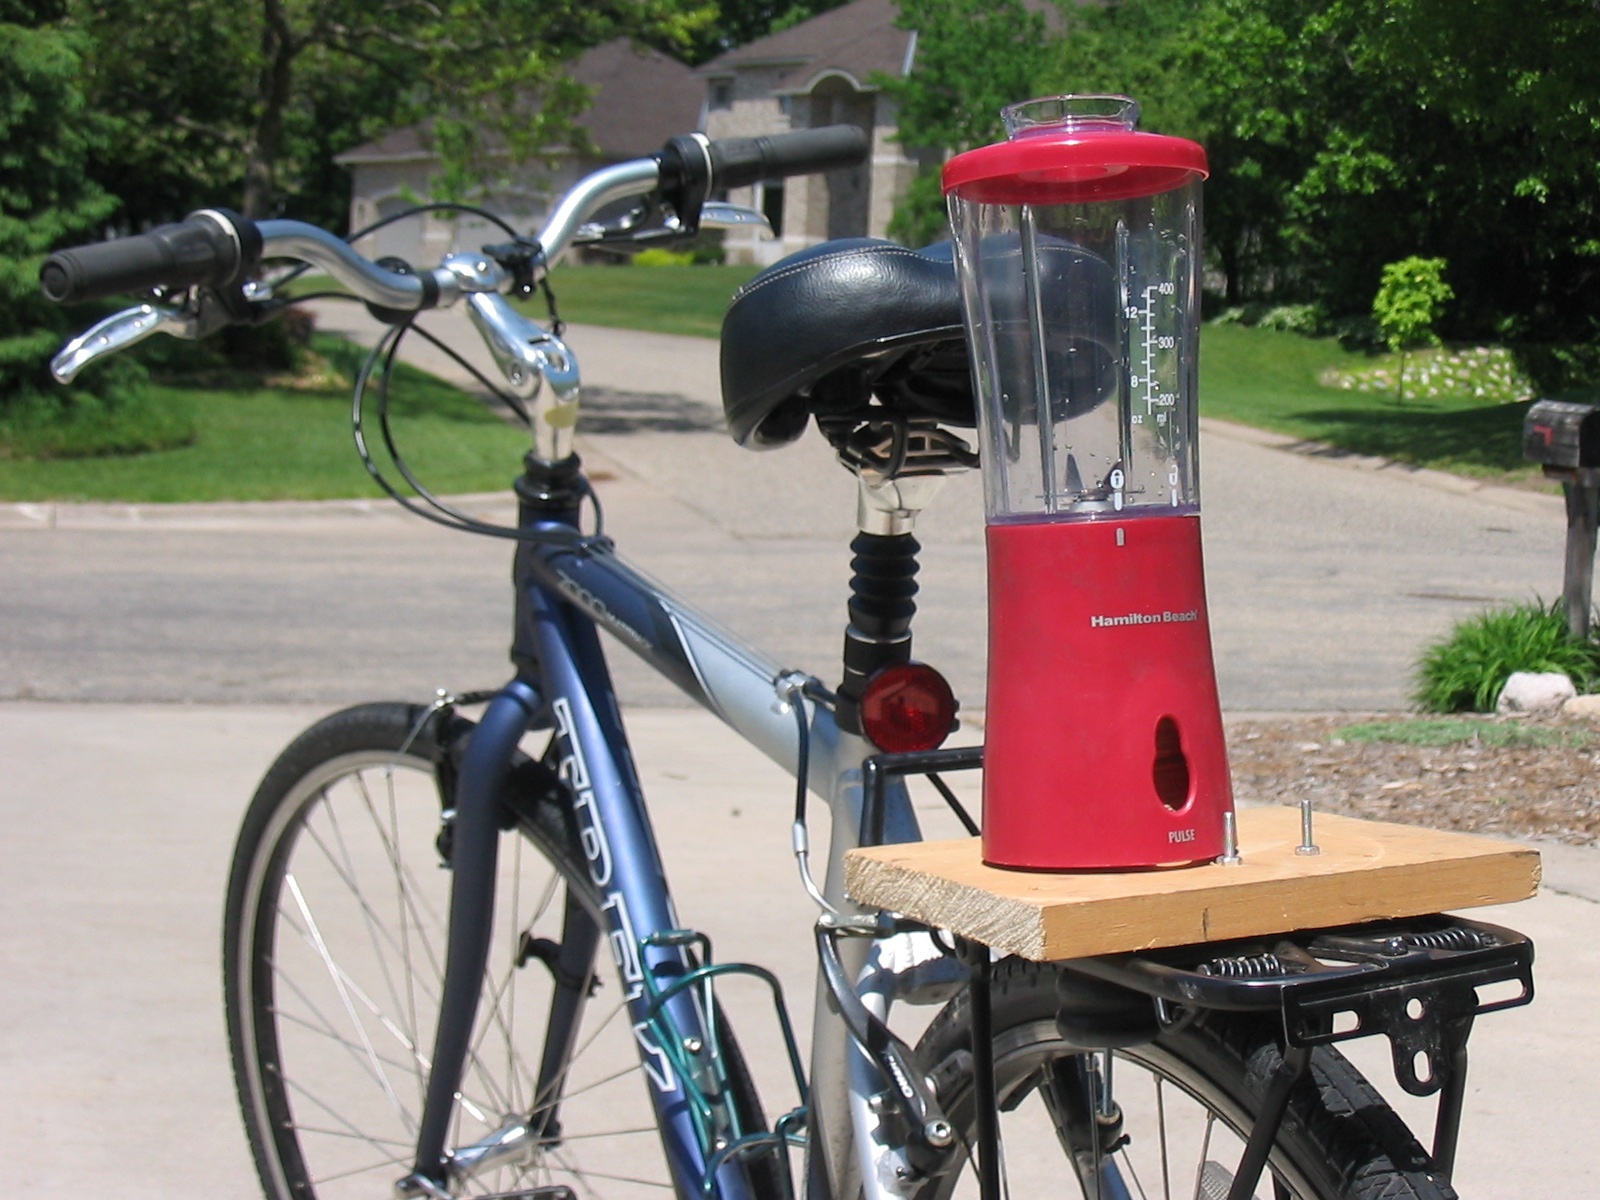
[(882, 603)]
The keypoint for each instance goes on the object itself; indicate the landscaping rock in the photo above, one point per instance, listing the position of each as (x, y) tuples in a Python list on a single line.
[(1586, 707), (1535, 691)]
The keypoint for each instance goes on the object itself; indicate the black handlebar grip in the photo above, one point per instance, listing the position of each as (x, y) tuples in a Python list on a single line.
[(209, 248), (736, 162)]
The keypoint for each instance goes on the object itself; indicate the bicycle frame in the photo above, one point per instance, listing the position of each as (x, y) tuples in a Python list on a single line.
[(566, 588)]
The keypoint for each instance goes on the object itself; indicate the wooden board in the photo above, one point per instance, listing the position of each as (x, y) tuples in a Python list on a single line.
[(1367, 870)]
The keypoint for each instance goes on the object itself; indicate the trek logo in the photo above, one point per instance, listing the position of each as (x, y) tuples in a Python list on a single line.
[(1139, 618), (574, 770)]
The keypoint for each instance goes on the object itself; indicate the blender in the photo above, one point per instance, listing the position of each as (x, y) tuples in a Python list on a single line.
[(1077, 245)]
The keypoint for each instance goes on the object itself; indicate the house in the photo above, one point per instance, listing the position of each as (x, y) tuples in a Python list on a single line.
[(821, 72), (642, 98)]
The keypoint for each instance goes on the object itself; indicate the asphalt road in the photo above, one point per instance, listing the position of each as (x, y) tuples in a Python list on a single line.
[(1326, 577)]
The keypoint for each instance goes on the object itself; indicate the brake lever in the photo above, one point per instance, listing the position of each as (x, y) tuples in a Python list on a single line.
[(717, 214), (118, 332)]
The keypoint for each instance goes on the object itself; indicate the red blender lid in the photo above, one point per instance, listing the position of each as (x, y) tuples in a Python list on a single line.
[(1074, 166)]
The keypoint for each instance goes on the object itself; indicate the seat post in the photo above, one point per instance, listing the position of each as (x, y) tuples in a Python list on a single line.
[(883, 583)]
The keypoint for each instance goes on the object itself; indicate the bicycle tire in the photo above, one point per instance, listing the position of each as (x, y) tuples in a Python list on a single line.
[(1339, 1140), (333, 950)]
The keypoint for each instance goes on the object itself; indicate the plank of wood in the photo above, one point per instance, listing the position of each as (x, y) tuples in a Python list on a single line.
[(1366, 871)]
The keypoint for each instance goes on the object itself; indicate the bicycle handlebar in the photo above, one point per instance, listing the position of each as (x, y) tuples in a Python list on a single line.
[(216, 248), (738, 162), (210, 248)]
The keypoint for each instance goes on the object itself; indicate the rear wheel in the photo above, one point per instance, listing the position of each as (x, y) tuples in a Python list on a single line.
[(1178, 1112), (334, 955)]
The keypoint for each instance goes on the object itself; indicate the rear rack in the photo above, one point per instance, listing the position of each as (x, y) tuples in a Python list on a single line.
[(1411, 980)]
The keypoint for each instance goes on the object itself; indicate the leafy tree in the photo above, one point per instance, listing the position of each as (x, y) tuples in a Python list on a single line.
[(741, 21), (973, 58), (47, 138), (1480, 123), (245, 101), (1196, 77), (1347, 134)]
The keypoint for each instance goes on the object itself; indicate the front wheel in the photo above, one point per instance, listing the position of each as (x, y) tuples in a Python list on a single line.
[(334, 950), (1164, 1119)]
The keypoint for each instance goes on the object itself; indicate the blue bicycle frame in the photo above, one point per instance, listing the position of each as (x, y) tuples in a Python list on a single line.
[(566, 587)]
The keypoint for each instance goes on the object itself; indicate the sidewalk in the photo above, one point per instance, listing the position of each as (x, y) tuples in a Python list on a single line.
[(120, 821)]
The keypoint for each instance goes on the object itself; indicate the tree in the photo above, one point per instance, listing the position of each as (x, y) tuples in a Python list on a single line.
[(742, 21), (47, 138), (1481, 122), (1168, 55), (1411, 296), (1347, 134), (234, 98), (973, 57)]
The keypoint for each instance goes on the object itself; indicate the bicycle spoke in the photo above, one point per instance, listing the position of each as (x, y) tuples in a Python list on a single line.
[(331, 1035), (1205, 1151), (336, 976), (364, 906), (347, 972), (420, 1062), (355, 1133), (1162, 1140)]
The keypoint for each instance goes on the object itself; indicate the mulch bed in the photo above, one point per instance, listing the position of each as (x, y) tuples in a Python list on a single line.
[(1549, 791)]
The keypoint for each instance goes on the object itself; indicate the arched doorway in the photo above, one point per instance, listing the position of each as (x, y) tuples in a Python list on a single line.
[(841, 207)]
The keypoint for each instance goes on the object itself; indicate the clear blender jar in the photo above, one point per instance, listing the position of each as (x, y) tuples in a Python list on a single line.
[(1078, 250)]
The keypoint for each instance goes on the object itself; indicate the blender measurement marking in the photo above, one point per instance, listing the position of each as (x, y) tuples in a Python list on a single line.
[(1145, 314)]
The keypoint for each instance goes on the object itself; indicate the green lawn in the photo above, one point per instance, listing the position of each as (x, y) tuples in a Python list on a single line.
[(686, 300), (262, 444), (1268, 379), (280, 444), (1257, 377)]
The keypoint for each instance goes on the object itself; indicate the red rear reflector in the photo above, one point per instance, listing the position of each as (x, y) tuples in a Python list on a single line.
[(907, 707)]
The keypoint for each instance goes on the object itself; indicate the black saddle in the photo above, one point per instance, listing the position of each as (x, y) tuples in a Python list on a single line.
[(825, 330)]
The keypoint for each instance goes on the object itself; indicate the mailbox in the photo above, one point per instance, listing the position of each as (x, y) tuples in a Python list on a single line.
[(1562, 435)]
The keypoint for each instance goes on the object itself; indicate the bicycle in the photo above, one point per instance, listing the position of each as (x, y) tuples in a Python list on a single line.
[(432, 1035)]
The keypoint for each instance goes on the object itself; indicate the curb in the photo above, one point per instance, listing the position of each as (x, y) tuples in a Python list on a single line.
[(1461, 485), (219, 515), (223, 515)]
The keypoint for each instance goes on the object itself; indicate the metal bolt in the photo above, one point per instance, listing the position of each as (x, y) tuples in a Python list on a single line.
[(693, 1045), (1306, 846), (1230, 841), (939, 1133)]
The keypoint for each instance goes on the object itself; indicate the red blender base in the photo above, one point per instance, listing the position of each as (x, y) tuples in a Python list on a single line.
[(1104, 746)]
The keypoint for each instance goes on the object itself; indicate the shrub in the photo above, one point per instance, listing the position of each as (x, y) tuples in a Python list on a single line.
[(1467, 670), (657, 257), (237, 356), (1559, 368), (1306, 319)]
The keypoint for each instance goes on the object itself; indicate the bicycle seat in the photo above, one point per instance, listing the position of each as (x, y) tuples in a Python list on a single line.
[(821, 331)]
